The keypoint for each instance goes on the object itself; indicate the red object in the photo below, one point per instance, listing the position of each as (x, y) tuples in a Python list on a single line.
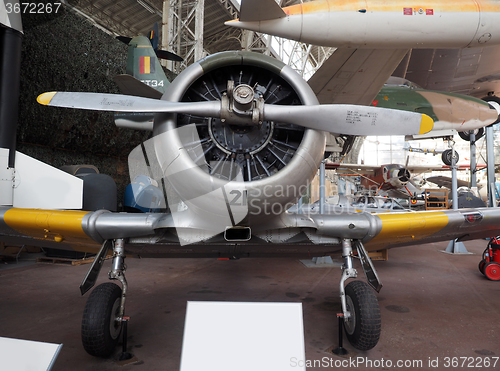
[(490, 265), (142, 65), (408, 11), (492, 271), (429, 11)]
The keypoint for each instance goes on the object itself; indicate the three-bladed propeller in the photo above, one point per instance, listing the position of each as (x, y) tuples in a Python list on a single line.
[(240, 110)]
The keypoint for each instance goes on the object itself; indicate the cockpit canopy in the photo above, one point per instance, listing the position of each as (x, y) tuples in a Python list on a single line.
[(399, 81)]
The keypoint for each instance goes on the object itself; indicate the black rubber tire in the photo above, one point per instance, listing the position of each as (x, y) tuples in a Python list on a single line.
[(100, 333), (446, 157), (482, 263), (465, 135), (364, 327)]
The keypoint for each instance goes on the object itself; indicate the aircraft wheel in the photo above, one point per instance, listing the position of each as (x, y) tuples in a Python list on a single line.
[(447, 156), (482, 263), (100, 330), (492, 271), (364, 326), (465, 135)]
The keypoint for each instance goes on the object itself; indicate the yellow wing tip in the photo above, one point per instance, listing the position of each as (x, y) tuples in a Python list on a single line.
[(426, 124), (45, 98)]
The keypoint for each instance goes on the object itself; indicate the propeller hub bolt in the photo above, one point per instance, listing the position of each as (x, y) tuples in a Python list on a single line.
[(243, 97)]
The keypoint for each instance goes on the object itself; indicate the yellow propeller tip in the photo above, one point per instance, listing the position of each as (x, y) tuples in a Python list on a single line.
[(426, 124), (45, 98)]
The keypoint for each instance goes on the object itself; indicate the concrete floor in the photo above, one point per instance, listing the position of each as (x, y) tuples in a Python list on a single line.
[(434, 305)]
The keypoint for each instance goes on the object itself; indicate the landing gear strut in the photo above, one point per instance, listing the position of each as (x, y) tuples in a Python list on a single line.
[(104, 312), (361, 312)]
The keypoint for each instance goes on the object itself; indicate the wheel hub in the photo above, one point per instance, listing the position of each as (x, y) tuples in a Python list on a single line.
[(114, 324), (350, 323)]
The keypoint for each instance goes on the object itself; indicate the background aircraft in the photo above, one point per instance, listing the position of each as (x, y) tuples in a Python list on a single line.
[(451, 112), (339, 204), (460, 62), (143, 67), (144, 77), (232, 147), (395, 180)]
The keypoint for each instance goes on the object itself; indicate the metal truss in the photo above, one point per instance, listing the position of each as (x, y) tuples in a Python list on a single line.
[(229, 7), (303, 58), (184, 31)]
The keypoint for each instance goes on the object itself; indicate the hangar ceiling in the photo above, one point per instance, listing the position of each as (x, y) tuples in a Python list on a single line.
[(137, 17)]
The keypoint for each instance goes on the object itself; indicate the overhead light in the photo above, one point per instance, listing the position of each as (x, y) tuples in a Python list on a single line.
[(146, 6)]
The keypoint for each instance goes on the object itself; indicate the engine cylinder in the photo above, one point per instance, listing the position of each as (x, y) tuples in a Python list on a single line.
[(261, 169)]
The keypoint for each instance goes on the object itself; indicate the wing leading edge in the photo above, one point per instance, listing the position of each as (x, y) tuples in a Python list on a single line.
[(354, 76), (85, 231)]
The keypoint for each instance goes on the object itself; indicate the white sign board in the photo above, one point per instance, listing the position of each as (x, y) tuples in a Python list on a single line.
[(229, 336), (22, 355)]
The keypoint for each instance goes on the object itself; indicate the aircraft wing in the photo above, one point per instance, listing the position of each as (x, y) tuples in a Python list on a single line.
[(414, 169), (419, 169), (358, 168), (444, 181), (354, 76), (471, 71), (85, 231), (431, 226)]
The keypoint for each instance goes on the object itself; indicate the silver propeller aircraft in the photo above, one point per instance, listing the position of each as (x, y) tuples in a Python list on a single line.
[(237, 137)]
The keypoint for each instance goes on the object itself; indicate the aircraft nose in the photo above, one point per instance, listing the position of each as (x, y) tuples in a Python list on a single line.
[(404, 175)]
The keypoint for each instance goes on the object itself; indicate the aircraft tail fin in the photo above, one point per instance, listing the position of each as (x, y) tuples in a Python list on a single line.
[(260, 10), (154, 37), (155, 40), (143, 64)]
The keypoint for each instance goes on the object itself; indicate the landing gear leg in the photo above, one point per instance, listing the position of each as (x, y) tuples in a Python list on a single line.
[(361, 313), (104, 312)]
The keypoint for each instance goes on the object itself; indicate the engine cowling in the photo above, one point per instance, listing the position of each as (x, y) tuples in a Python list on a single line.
[(265, 165), (398, 177)]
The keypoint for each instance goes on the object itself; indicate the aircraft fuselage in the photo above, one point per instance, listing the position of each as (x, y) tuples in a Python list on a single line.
[(382, 24)]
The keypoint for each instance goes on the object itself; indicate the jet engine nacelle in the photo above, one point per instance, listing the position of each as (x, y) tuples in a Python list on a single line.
[(253, 170)]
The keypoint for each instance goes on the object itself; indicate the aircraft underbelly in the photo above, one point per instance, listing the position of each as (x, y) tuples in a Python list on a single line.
[(391, 29)]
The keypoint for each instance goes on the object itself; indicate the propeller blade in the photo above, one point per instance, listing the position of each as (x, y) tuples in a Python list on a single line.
[(163, 54), (334, 118), (124, 39), (127, 103), (351, 119)]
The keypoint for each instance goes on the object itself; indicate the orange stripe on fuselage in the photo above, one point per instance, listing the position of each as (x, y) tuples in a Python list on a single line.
[(323, 6)]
